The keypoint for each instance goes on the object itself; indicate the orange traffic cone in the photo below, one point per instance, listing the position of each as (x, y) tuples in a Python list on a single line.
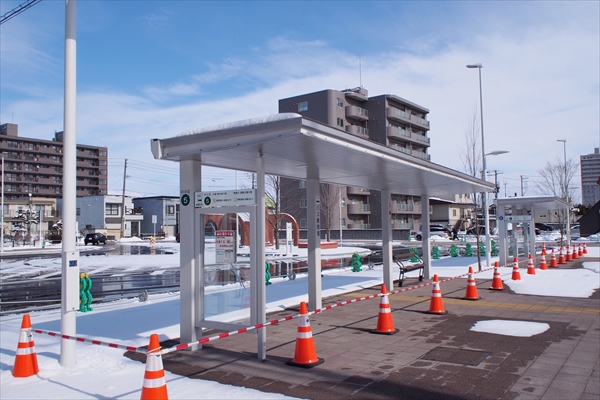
[(385, 323), (580, 250), (553, 262), (543, 265), (561, 256), (530, 266), (543, 248), (497, 281), (26, 360), (155, 385), (516, 274), (436, 306), (575, 253), (305, 355), (569, 254), (584, 248), (471, 293)]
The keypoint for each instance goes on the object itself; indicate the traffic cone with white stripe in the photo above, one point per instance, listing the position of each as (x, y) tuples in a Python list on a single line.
[(543, 248), (155, 385), (26, 360), (497, 280), (305, 354), (543, 264), (585, 248), (569, 254), (575, 253), (436, 305), (553, 262), (385, 322), (580, 250), (561, 256), (516, 274), (471, 293), (530, 266)]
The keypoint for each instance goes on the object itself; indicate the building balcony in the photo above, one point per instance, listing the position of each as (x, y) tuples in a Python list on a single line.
[(404, 150), (421, 121), (421, 155), (357, 130), (358, 208), (395, 114), (397, 132), (402, 225), (359, 93), (357, 113), (358, 191), (405, 207), (359, 226), (422, 138)]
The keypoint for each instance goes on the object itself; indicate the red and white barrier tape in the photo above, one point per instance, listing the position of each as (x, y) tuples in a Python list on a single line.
[(248, 328), (92, 341)]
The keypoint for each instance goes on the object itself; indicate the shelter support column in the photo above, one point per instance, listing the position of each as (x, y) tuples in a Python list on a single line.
[(313, 204), (502, 235), (426, 239), (191, 256), (258, 292), (532, 232), (387, 246)]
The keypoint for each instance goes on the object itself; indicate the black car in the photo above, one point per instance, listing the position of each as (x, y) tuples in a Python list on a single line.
[(95, 238)]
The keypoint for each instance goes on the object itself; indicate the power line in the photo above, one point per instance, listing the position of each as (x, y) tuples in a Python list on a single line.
[(18, 10)]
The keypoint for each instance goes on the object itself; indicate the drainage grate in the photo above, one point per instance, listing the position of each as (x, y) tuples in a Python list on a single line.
[(456, 356)]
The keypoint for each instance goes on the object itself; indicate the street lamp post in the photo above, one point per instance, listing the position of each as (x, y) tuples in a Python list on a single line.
[(486, 213), (566, 185)]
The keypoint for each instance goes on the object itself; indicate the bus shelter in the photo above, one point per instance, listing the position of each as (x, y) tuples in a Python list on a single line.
[(291, 146), (521, 211)]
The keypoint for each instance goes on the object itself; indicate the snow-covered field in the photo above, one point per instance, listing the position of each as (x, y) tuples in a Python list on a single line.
[(102, 372)]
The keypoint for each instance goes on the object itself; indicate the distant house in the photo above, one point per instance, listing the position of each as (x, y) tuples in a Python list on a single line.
[(161, 215)]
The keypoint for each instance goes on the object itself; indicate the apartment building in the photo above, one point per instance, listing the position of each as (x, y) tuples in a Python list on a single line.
[(387, 119), (590, 178), (35, 166)]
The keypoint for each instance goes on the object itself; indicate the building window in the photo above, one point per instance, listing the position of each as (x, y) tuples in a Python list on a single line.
[(303, 106), (302, 203), (11, 188), (302, 184), (340, 122), (29, 146), (12, 144), (170, 210), (102, 153), (303, 223), (343, 223), (340, 102), (343, 202), (454, 212), (112, 209), (78, 211)]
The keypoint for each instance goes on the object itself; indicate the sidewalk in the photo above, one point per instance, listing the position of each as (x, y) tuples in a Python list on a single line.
[(431, 356)]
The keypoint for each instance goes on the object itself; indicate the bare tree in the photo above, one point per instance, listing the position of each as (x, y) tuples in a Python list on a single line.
[(273, 202), (330, 204), (556, 181)]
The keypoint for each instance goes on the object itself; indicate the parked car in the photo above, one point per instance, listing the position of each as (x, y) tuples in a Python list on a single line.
[(95, 238), (544, 227), (575, 231), (434, 230)]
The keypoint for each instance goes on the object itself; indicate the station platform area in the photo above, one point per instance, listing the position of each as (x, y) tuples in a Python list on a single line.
[(431, 356)]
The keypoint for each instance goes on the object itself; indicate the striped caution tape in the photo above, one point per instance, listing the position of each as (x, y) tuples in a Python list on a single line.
[(92, 341)]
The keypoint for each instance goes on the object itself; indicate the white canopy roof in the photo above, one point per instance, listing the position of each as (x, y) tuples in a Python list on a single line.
[(296, 147)]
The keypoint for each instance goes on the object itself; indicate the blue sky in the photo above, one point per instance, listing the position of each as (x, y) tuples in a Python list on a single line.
[(153, 69)]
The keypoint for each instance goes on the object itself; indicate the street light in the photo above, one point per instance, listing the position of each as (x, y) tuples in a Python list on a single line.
[(486, 212), (2, 212), (565, 186)]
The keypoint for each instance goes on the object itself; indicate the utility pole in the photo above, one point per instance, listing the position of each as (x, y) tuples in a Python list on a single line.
[(523, 178), (123, 204), (496, 173)]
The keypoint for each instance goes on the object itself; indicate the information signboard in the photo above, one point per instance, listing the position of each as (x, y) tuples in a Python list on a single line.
[(225, 247), (226, 198)]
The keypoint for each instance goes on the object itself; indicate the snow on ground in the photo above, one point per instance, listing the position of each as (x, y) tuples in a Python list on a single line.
[(510, 328), (102, 372)]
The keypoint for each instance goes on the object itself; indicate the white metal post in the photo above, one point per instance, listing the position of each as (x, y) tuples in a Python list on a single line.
[(70, 257), (426, 237), (2, 226), (258, 286), (313, 235), (386, 238)]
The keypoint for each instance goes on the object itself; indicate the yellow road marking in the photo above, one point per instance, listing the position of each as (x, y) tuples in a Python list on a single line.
[(485, 303)]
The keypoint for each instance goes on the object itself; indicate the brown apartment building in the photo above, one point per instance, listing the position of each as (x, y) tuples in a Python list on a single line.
[(386, 119), (34, 167)]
